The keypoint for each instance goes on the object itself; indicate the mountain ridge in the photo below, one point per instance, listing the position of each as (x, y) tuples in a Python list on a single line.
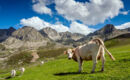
[(30, 37), (107, 32), (25, 37)]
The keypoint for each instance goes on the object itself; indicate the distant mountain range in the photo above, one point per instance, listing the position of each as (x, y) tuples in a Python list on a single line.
[(28, 37), (107, 32), (62, 36)]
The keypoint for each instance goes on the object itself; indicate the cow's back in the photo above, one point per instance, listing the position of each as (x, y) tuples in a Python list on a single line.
[(86, 51)]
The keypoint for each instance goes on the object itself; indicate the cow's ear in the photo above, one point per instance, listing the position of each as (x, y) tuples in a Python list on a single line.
[(65, 52)]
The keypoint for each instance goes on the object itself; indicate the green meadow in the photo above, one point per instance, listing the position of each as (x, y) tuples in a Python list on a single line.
[(63, 69)]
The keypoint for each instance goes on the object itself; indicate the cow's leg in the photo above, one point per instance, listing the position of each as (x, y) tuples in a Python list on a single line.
[(80, 64), (103, 59), (94, 58)]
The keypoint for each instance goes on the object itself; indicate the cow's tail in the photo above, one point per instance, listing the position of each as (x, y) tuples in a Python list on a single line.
[(102, 44), (109, 53)]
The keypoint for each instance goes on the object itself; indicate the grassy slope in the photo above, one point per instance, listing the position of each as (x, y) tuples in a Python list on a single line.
[(63, 69)]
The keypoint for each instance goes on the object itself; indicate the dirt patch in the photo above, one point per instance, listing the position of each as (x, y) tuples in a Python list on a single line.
[(35, 56)]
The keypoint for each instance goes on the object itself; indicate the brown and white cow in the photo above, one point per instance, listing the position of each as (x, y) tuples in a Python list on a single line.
[(93, 50)]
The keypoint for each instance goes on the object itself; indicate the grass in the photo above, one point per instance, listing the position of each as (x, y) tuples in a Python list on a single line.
[(64, 69), (49, 53), (117, 42)]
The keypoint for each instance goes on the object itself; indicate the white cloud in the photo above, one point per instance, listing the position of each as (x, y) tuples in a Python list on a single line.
[(38, 24), (91, 13), (60, 27), (123, 26), (124, 12), (35, 22), (76, 27), (40, 6)]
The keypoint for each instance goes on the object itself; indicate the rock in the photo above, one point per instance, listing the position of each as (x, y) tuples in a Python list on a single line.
[(50, 33), (5, 33)]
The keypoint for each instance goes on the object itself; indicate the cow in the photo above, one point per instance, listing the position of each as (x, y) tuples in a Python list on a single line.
[(13, 73), (42, 62), (93, 50), (22, 69)]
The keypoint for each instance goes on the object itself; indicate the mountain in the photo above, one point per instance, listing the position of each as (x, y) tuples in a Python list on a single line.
[(26, 37), (107, 32), (69, 35), (50, 33), (5, 33), (28, 34), (69, 38), (60, 37), (127, 29), (126, 35)]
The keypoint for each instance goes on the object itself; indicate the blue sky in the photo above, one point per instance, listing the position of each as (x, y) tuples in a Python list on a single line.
[(17, 13)]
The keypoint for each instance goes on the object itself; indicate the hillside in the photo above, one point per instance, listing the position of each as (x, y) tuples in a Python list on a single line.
[(65, 69), (120, 40)]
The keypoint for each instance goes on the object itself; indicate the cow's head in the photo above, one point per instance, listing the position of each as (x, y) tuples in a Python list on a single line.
[(70, 53)]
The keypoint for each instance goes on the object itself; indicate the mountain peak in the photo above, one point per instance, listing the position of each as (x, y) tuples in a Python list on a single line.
[(25, 27), (109, 28), (12, 29), (5, 33), (48, 28), (27, 33), (50, 33)]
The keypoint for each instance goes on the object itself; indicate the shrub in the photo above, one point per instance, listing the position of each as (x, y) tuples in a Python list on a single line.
[(2, 47), (50, 45), (20, 58)]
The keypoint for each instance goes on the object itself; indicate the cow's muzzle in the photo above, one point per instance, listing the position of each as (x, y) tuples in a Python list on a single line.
[(69, 58)]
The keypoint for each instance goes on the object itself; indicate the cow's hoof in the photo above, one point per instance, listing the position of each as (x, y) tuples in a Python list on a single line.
[(92, 71), (79, 71), (102, 70)]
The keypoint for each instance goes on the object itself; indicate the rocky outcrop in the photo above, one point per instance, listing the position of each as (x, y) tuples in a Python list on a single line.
[(28, 34), (68, 38), (5, 33), (69, 35), (62, 37), (50, 33)]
